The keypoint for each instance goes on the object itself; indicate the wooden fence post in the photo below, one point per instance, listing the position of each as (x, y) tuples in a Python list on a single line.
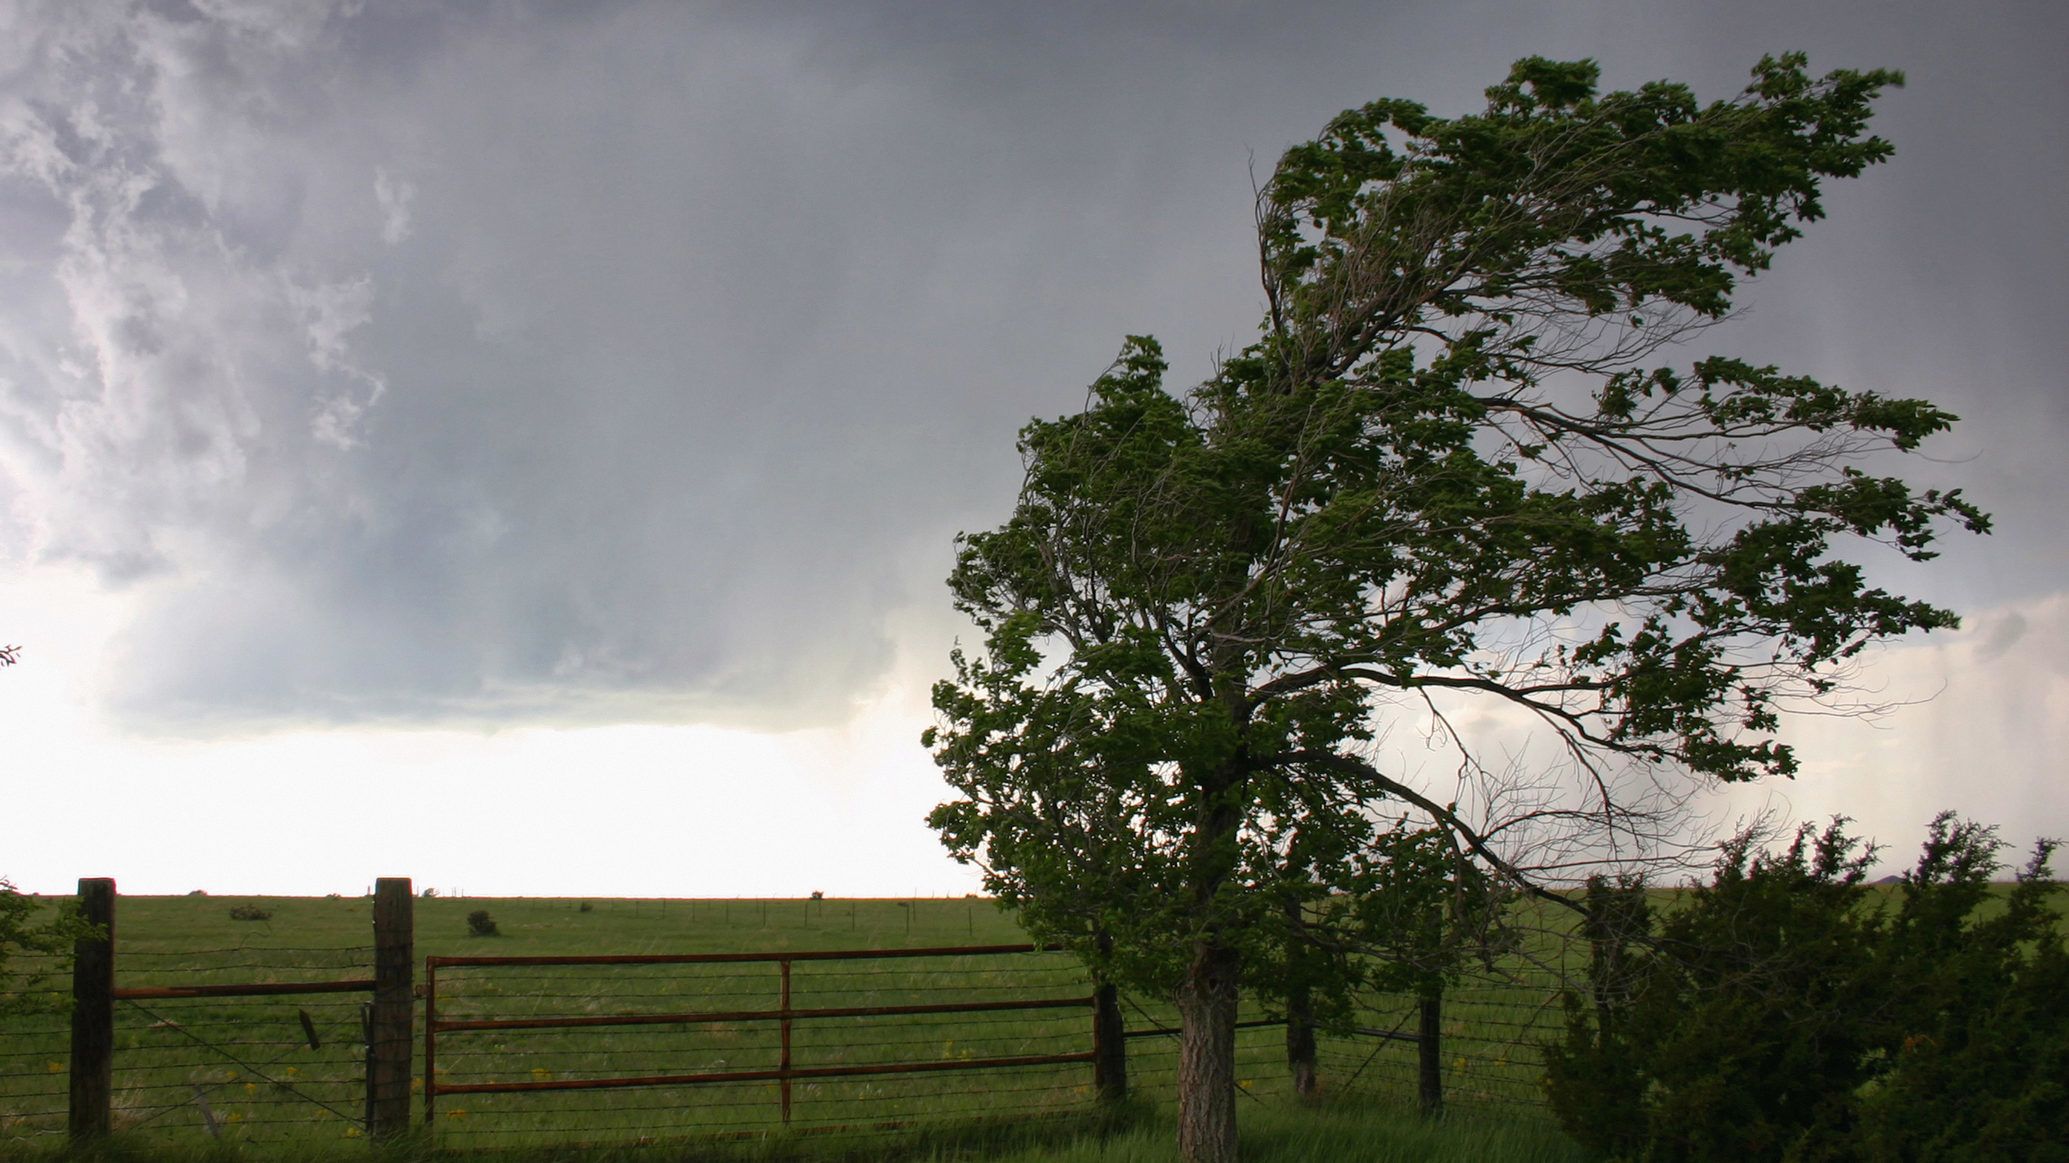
[(391, 1026), (93, 1013), (1109, 1045), (1429, 1052), (1109, 1038), (783, 1061)]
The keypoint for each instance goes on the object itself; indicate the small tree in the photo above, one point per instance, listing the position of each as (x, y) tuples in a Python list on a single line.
[(480, 924), (1454, 465)]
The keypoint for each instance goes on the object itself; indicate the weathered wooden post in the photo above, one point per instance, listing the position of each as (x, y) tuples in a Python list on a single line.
[(93, 1013), (1300, 1009), (1429, 1051), (783, 1061), (391, 1026), (1109, 1038)]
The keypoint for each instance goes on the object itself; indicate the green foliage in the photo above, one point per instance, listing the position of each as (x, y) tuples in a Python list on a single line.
[(1452, 463), (249, 913), (1982, 1039), (481, 924), (1789, 1011), (45, 935)]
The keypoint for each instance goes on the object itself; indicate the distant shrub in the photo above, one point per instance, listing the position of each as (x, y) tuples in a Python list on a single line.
[(587, 907), (199, 892), (481, 924), (249, 913), (428, 892), (333, 896), (817, 895)]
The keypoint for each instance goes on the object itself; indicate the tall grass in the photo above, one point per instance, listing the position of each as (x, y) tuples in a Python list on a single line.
[(1271, 1133)]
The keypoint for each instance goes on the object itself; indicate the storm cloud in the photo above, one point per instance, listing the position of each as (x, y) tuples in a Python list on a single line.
[(630, 362)]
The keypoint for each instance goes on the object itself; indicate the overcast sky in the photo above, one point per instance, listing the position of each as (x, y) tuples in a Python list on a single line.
[(519, 446)]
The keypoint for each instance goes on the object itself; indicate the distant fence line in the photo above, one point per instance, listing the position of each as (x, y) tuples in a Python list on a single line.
[(691, 1031)]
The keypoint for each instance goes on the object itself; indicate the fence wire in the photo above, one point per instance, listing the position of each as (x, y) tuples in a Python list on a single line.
[(291, 1068), (265, 1069), (35, 1079), (867, 1104)]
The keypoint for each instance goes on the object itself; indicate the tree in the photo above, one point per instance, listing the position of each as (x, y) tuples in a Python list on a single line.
[(1454, 466)]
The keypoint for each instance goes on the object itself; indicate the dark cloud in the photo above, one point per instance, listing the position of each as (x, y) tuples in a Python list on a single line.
[(580, 363)]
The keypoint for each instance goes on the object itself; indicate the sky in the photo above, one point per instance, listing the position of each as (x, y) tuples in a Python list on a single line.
[(519, 446)]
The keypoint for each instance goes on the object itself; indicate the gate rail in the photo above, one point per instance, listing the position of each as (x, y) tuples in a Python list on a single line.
[(1104, 1046)]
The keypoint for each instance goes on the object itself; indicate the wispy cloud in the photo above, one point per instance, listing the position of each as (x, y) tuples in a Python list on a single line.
[(394, 194)]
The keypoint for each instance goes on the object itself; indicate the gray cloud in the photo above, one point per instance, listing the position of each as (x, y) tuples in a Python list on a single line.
[(580, 363)]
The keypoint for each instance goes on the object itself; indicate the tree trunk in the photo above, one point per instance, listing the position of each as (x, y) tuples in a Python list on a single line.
[(1207, 1055), (1300, 1006), (1300, 1040)]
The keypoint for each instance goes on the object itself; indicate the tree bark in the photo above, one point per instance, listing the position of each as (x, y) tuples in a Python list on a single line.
[(1300, 1006), (1207, 1055), (1300, 1040)]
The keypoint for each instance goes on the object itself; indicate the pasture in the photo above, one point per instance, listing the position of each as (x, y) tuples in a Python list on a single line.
[(283, 1075)]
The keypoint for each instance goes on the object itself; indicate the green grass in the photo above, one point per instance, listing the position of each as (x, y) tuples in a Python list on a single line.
[(249, 1065), (1350, 1132)]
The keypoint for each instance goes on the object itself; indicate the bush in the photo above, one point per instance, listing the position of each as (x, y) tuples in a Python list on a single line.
[(1785, 1011), (249, 913), (481, 924), (587, 907), (1983, 1050)]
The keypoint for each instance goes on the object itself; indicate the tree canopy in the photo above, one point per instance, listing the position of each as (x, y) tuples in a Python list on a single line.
[(1459, 463)]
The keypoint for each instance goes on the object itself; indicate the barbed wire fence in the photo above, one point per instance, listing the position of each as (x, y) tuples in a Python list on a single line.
[(258, 1069), (248, 1069), (292, 1068), (1490, 1051), (35, 1050)]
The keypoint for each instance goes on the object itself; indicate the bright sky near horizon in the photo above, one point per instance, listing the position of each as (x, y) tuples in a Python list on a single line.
[(518, 446)]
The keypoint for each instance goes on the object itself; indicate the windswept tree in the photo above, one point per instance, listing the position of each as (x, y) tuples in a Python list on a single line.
[(1457, 464)]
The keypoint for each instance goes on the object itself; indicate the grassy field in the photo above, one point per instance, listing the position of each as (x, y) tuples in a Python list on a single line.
[(283, 1075)]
